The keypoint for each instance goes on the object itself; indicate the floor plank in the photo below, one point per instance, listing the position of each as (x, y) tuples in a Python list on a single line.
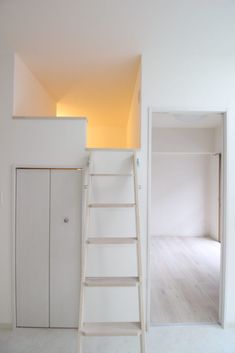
[(184, 280)]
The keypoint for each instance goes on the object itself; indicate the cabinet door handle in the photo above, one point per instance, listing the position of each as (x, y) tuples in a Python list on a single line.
[(66, 220)]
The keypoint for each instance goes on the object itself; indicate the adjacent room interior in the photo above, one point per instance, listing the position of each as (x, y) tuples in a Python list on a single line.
[(186, 217)]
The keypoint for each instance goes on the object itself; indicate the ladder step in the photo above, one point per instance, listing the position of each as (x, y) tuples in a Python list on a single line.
[(111, 329), (111, 174), (112, 240), (112, 281), (111, 205)]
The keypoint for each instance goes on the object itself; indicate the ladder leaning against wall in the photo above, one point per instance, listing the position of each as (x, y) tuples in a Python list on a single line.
[(111, 328)]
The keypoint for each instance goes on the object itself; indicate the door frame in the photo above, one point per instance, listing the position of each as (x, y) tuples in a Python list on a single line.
[(223, 188), (220, 194), (14, 168)]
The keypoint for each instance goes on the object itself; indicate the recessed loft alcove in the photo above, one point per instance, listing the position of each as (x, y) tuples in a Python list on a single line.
[(110, 102)]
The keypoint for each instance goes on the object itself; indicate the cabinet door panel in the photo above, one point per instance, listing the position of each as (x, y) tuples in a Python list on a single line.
[(32, 248), (65, 233)]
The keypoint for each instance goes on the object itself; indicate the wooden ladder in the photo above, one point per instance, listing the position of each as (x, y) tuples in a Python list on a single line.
[(111, 328)]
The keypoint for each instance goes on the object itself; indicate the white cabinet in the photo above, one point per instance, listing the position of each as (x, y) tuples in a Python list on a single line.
[(65, 223), (48, 232), (32, 248)]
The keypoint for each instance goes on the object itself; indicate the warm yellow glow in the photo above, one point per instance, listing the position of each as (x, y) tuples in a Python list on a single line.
[(108, 126), (133, 124), (113, 114), (106, 136), (98, 135)]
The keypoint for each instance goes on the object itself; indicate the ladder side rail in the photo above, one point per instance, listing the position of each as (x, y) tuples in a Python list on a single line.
[(139, 255), (87, 191)]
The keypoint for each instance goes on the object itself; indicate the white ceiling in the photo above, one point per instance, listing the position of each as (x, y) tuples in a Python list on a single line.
[(187, 120), (67, 42)]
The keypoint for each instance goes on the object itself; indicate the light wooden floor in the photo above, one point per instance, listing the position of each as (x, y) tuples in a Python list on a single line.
[(184, 280)]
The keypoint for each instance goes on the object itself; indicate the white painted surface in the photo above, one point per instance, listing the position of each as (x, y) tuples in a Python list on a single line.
[(30, 97), (65, 238), (189, 140), (31, 142), (47, 247), (193, 69), (1, 198), (32, 248), (133, 123), (214, 198), (221, 148), (187, 120), (74, 56), (181, 195), (184, 181)]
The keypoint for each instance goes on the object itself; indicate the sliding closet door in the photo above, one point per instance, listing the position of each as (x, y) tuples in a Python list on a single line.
[(65, 235), (32, 248)]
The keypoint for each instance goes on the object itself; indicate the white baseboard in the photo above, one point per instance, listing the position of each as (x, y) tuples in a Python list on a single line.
[(229, 325)]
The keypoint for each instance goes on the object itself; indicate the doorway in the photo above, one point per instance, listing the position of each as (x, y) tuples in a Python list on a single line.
[(185, 218)]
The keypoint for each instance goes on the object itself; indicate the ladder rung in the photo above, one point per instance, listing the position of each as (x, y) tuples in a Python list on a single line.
[(111, 205), (112, 240), (112, 281), (111, 329), (111, 174)]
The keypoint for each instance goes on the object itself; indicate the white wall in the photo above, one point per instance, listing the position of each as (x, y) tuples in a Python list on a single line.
[(183, 140), (30, 97), (180, 195), (205, 82), (188, 67), (47, 142), (221, 148), (213, 190), (58, 142), (184, 196)]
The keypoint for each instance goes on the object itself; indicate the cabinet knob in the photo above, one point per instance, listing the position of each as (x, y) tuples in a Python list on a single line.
[(66, 220)]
